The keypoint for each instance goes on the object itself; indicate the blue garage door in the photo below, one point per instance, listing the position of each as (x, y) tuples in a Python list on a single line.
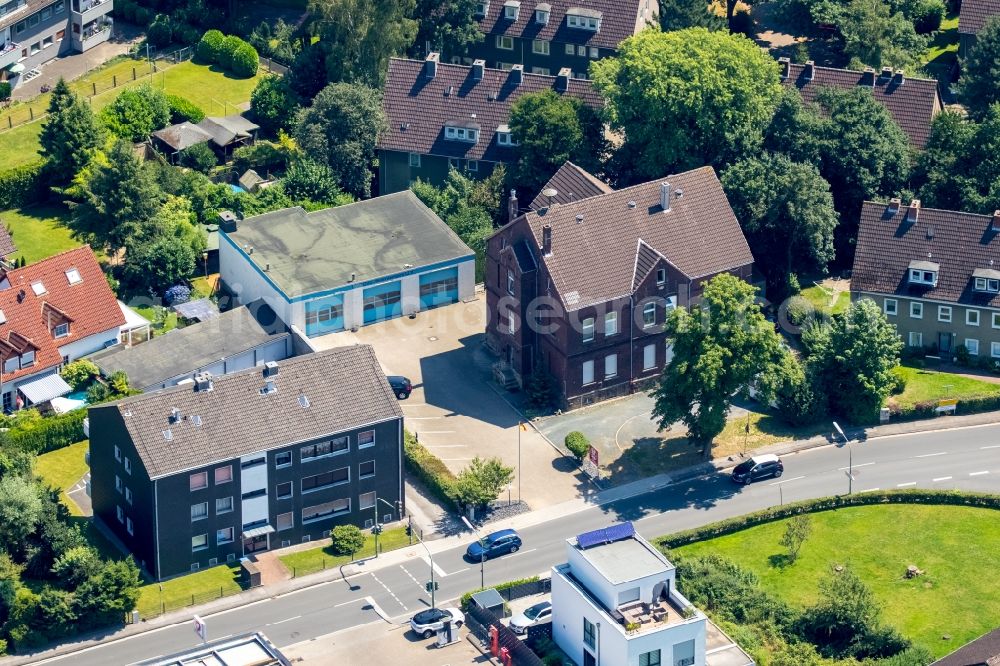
[(383, 302), (438, 288), (324, 315)]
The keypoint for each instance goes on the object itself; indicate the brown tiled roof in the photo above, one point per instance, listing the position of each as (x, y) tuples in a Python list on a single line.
[(7, 246), (958, 242), (344, 388), (975, 14), (571, 184), (912, 103), (983, 650), (594, 257), (619, 19), (89, 304), (182, 135), (418, 108)]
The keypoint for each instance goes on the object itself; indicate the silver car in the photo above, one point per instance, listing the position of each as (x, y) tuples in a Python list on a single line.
[(426, 623), (540, 613)]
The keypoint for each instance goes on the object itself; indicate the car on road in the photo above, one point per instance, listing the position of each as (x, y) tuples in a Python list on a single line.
[(427, 622), (401, 386), (540, 613), (497, 543), (758, 467)]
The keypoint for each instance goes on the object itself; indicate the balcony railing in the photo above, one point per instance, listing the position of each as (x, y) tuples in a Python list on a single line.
[(8, 47)]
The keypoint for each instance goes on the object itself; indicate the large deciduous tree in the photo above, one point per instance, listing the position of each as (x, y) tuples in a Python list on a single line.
[(449, 26), (273, 104), (137, 112), (980, 83), (680, 14), (69, 135), (878, 36), (722, 347), (688, 98)]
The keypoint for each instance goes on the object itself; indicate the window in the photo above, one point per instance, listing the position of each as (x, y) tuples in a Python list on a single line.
[(253, 462), (610, 365), (482, 8), (27, 359), (366, 500), (38, 288), (995, 349), (972, 317), (996, 320), (326, 479), (223, 474), (199, 511), (120, 512), (128, 465), (326, 510), (118, 453), (588, 372), (987, 284), (199, 542), (570, 49), (323, 449), (118, 483), (128, 495), (916, 310), (649, 357), (60, 330), (505, 139), (60, 35), (594, 52), (889, 306), (581, 51), (541, 17), (461, 134), (651, 658), (510, 11), (223, 505), (283, 459), (128, 526), (916, 339), (199, 480), (684, 653), (611, 323), (588, 329), (923, 277), (589, 634), (661, 277), (454, 163), (504, 42), (414, 159), (366, 469), (285, 521), (250, 494), (366, 438), (225, 535), (510, 282), (648, 315), (583, 22), (472, 165), (508, 322), (540, 47), (46, 43), (73, 275), (944, 313), (283, 490), (972, 345)]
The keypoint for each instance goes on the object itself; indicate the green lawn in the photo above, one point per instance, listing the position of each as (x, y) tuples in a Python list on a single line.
[(956, 546), (62, 468), (322, 557), (820, 300), (923, 385), (167, 318), (943, 49), (19, 146), (38, 231), (188, 590)]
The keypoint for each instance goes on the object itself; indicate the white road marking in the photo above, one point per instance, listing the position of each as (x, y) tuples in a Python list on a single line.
[(391, 593), (904, 485), (994, 446), (286, 620), (978, 473), (841, 469), (352, 601), (931, 455), (378, 609), (778, 483), (869, 490), (521, 552), (415, 581), (438, 570), (941, 478)]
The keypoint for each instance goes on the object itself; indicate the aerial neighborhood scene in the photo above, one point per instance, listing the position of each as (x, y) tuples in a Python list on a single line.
[(519, 332)]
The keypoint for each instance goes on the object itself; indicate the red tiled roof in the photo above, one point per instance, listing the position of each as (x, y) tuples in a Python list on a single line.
[(912, 103), (620, 19), (571, 183), (418, 108), (89, 304), (974, 15)]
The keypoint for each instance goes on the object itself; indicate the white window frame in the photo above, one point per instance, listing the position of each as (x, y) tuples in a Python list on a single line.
[(510, 282), (215, 474), (129, 527), (277, 521), (370, 444), (510, 12), (916, 339), (571, 49), (415, 160), (649, 357), (203, 538), (120, 513), (995, 349), (482, 8), (222, 542), (587, 329), (128, 495), (505, 43), (587, 369), (118, 453), (118, 483), (918, 276), (224, 510), (128, 465), (944, 313), (506, 139), (969, 318), (916, 310), (191, 478), (886, 309), (366, 476), (541, 47), (202, 516), (472, 165), (610, 366), (610, 324), (649, 315), (972, 344), (541, 17), (996, 319), (361, 500), (60, 330)]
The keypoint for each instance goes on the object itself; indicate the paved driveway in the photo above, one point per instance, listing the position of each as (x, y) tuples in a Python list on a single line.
[(455, 409)]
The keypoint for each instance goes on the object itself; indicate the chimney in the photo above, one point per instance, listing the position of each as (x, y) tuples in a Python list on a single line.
[(478, 67), (913, 212), (810, 70), (175, 415), (431, 64), (887, 73), (546, 239), (228, 221), (785, 64), (203, 381), (562, 79), (271, 369), (893, 206), (512, 206), (995, 222), (665, 196), (868, 78), (899, 78), (516, 75)]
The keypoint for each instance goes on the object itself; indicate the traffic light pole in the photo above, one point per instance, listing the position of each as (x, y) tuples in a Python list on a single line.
[(432, 586), (376, 527)]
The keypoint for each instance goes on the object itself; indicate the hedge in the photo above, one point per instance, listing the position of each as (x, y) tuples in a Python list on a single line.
[(500, 587), (49, 434), (908, 496), (184, 110), (927, 409), (245, 61), (427, 467), (230, 45), (21, 186), (210, 47)]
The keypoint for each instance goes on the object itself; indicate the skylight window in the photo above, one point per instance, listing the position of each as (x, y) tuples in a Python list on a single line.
[(38, 288), (73, 275)]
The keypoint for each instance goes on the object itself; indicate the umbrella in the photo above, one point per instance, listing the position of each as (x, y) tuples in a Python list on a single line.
[(16, 68)]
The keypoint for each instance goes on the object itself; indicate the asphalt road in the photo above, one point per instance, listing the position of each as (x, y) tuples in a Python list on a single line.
[(966, 459)]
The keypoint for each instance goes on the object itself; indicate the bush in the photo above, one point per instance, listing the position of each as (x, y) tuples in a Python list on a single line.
[(186, 35), (898, 383), (262, 156), (48, 434), (800, 311), (962, 356), (230, 45), (160, 32), (4, 90), (183, 110), (21, 186), (198, 157), (210, 47), (347, 540), (429, 469), (540, 388), (245, 61), (177, 294), (79, 373), (927, 16), (577, 444)]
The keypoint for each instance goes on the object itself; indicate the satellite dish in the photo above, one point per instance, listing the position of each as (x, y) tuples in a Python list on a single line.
[(550, 192)]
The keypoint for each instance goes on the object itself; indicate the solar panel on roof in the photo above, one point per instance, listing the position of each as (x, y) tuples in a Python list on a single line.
[(618, 532)]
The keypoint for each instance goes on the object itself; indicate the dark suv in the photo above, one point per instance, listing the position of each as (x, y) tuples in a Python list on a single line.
[(401, 386), (758, 467)]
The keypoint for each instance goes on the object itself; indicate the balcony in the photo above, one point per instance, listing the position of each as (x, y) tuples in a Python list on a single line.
[(640, 617), (93, 35), (9, 54), (85, 11)]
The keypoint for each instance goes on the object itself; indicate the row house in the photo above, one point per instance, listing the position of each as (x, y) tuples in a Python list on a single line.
[(972, 18)]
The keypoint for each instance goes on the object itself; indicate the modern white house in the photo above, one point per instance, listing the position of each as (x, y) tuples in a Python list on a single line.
[(615, 602), (346, 267)]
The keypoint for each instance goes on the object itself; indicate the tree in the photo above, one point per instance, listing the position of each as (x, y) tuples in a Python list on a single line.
[(481, 482), (877, 36), (75, 566), (308, 73), (978, 88), (786, 210), (306, 180), (551, 129), (681, 14), (161, 31), (340, 129), (199, 157), (577, 444), (722, 347), (347, 540), (137, 112), (210, 47), (449, 26), (154, 264), (855, 356), (79, 373), (107, 596), (273, 104), (69, 135), (797, 530), (244, 61), (20, 512), (688, 98), (796, 129)]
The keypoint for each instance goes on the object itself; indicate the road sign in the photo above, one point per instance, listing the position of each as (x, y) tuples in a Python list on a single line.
[(200, 628)]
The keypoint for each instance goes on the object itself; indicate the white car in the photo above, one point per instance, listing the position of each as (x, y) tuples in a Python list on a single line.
[(427, 622), (540, 613)]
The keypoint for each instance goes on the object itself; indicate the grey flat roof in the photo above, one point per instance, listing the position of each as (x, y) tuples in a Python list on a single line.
[(622, 561), (304, 253), (184, 350)]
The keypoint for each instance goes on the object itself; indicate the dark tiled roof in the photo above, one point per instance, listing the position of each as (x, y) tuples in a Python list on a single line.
[(912, 103), (594, 259), (983, 650), (345, 388), (619, 19), (182, 135), (7, 246), (959, 242), (975, 14), (418, 108), (571, 184), (226, 129)]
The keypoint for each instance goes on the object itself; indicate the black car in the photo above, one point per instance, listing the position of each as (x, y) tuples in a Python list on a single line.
[(401, 386), (497, 543), (758, 467)]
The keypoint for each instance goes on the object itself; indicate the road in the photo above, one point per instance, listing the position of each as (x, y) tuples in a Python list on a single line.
[(966, 459)]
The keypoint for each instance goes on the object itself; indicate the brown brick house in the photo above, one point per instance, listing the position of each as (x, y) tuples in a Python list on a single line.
[(580, 289)]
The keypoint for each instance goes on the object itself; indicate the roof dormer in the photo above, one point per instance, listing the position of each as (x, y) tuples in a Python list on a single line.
[(924, 273), (462, 130), (482, 8), (511, 10), (542, 12), (986, 280), (583, 19)]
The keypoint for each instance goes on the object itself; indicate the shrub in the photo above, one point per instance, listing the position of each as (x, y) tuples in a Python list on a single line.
[(927, 16), (541, 390), (230, 45), (183, 110), (198, 157), (429, 469), (186, 35), (161, 31), (244, 61), (898, 383), (79, 373), (210, 47), (178, 293), (262, 156), (962, 356), (346, 540), (4, 90), (48, 434), (800, 311), (577, 444), (21, 186)]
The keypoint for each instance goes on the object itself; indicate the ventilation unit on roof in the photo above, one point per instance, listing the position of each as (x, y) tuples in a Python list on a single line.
[(175, 415), (203, 381), (269, 387), (196, 419), (271, 369), (619, 532), (167, 435), (303, 401)]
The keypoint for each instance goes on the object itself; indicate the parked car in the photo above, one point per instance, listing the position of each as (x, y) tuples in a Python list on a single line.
[(758, 467), (401, 386), (497, 543), (540, 613), (427, 622)]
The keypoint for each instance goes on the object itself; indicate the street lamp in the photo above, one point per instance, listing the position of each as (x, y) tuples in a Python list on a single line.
[(376, 527), (482, 552)]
